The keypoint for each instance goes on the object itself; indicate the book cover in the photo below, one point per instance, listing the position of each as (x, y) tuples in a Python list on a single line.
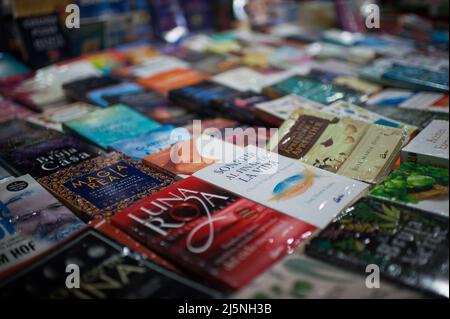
[(312, 89), (97, 96), (374, 232), (11, 68), (430, 147), (31, 222), (106, 126), (301, 277), (341, 145), (105, 272), (302, 191), (152, 66), (152, 142), (418, 77), (417, 185), (171, 80), (10, 110), (212, 232), (210, 63), (100, 187), (47, 157), (198, 97), (78, 89), (54, 118)]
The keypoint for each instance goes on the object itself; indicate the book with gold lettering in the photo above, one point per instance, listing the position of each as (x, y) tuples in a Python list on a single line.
[(341, 145), (102, 186)]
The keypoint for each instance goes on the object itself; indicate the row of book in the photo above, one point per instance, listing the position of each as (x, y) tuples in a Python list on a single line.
[(155, 171)]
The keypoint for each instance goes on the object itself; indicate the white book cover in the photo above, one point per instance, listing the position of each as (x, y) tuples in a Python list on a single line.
[(286, 185), (283, 107)]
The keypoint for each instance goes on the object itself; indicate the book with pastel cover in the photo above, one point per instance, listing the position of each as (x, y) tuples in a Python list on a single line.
[(100, 187), (106, 126)]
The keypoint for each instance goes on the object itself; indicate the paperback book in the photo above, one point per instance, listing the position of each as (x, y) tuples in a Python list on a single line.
[(375, 232), (31, 222), (106, 272), (420, 186), (78, 90), (206, 230), (100, 187), (106, 126), (341, 145), (302, 191)]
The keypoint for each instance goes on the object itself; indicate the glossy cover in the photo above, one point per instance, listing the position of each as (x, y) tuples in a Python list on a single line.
[(108, 270), (106, 126), (171, 80), (408, 246), (211, 232), (102, 186), (31, 222)]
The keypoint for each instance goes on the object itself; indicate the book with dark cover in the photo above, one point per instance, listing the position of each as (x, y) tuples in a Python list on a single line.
[(100, 187), (408, 246), (105, 271), (78, 89), (47, 157), (212, 232), (198, 97)]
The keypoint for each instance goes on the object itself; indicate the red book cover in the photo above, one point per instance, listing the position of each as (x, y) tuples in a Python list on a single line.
[(211, 232)]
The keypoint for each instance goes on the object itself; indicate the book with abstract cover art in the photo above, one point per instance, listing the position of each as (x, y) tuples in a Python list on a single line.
[(302, 191), (106, 126), (300, 277), (211, 232), (31, 222), (152, 142), (50, 156), (417, 185), (105, 272), (100, 187), (380, 233), (341, 145)]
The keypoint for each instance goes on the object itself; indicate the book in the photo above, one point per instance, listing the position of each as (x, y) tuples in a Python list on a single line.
[(210, 63), (54, 118), (11, 69), (105, 272), (152, 142), (302, 191), (4, 174), (31, 222), (417, 185), (47, 157), (430, 147), (408, 246), (106, 126), (78, 89), (341, 145), (152, 66), (414, 117), (100, 187), (97, 96), (10, 110), (314, 90), (302, 277), (171, 80), (198, 97), (207, 230)]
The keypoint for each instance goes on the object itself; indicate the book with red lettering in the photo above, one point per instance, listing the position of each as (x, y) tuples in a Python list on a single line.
[(211, 232)]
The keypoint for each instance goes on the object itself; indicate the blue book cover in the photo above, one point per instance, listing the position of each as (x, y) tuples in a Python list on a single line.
[(106, 126), (151, 142), (98, 96)]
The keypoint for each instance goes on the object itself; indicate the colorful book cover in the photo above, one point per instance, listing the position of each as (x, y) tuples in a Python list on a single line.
[(47, 157), (152, 142), (307, 193), (31, 222), (11, 68), (19, 133), (210, 63), (100, 187), (301, 277), (314, 90), (171, 80), (54, 118), (98, 96), (10, 110), (417, 185), (106, 126), (430, 147), (152, 66), (78, 89), (345, 146), (205, 229), (106, 272), (198, 97), (408, 246)]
